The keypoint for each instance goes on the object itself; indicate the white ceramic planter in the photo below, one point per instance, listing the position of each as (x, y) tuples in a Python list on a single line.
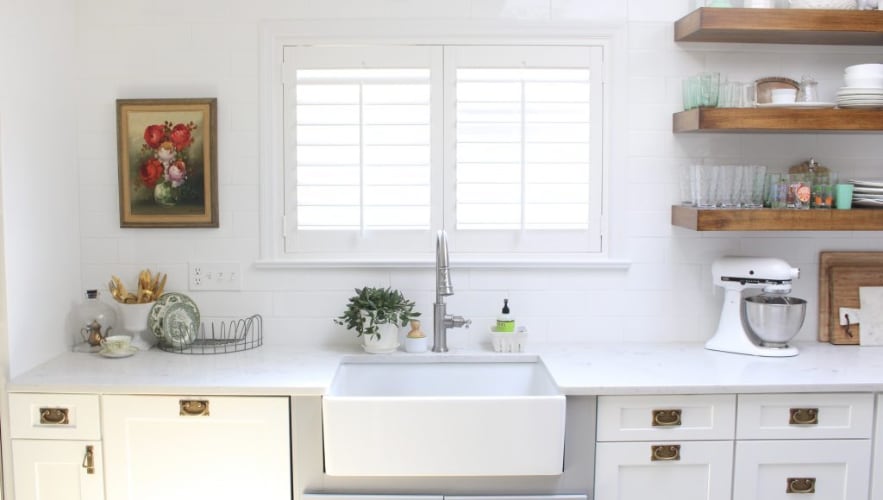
[(387, 342)]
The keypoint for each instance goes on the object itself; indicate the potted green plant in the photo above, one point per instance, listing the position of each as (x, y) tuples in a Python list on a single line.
[(376, 315)]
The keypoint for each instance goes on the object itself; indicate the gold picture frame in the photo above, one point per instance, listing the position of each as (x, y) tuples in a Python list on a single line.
[(167, 152)]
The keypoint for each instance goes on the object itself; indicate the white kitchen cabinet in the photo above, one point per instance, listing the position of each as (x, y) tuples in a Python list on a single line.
[(56, 447), (877, 473), (218, 447), (833, 469), (664, 447), (812, 444), (805, 416), (686, 470), (57, 470)]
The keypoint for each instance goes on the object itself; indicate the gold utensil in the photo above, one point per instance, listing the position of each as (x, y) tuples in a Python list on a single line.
[(162, 285)]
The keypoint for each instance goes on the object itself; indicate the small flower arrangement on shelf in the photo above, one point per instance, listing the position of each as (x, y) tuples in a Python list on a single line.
[(164, 160)]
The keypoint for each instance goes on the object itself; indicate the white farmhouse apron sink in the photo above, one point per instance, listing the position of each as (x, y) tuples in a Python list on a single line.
[(441, 416)]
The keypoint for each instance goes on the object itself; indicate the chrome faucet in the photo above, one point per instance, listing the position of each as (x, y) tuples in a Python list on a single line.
[(441, 320)]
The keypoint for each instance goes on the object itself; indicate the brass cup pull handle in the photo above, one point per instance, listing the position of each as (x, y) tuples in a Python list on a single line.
[(665, 452), (666, 418), (801, 485), (193, 408), (89, 460), (804, 416), (54, 416)]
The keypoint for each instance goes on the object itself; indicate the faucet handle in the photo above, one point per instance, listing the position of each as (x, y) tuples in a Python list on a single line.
[(460, 322)]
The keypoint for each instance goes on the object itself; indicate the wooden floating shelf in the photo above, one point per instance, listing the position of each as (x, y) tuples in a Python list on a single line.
[(801, 26), (777, 120), (767, 219)]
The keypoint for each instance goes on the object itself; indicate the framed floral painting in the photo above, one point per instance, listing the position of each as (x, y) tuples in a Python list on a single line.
[(168, 162)]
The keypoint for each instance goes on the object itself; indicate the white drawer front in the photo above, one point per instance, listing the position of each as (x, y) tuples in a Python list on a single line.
[(805, 416), (649, 418), (700, 470), (786, 470), (54, 416)]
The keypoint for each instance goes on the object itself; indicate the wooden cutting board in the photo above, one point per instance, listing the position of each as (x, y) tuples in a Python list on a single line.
[(840, 276)]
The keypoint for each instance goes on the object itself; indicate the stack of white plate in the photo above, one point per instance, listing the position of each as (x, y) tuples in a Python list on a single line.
[(867, 193), (864, 87)]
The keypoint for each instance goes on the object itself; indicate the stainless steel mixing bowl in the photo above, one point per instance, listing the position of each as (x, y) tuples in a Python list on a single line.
[(774, 319)]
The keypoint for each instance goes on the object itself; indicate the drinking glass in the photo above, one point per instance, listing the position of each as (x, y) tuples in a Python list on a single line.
[(691, 92), (709, 89), (776, 191), (706, 185)]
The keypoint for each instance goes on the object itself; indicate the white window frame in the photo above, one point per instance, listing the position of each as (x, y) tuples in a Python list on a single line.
[(277, 35)]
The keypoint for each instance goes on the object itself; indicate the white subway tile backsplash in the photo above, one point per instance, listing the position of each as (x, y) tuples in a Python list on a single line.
[(512, 9), (590, 10), (211, 48)]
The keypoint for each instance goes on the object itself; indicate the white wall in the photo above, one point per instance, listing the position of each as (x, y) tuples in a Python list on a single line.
[(166, 48), (40, 163)]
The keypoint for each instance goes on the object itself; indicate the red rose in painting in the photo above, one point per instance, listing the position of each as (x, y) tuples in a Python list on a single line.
[(154, 135), (180, 136), (151, 172)]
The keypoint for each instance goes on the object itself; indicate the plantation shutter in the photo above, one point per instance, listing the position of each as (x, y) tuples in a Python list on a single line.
[(359, 148), (526, 123)]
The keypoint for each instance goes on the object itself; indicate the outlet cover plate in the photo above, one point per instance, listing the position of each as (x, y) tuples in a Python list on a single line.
[(214, 276)]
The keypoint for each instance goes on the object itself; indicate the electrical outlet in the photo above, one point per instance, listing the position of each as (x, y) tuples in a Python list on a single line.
[(214, 276)]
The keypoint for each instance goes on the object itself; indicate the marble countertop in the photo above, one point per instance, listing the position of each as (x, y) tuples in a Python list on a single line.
[(584, 369)]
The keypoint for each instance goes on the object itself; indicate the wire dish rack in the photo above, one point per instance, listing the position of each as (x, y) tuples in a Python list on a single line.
[(223, 336)]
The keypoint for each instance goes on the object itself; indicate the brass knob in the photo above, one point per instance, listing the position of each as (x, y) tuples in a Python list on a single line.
[(89, 460), (804, 416), (665, 452), (54, 416), (193, 408), (801, 485), (666, 418)]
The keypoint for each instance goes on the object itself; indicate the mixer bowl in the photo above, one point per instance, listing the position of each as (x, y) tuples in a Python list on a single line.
[(774, 319)]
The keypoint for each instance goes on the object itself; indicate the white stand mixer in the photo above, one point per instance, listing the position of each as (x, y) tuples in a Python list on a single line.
[(735, 274)]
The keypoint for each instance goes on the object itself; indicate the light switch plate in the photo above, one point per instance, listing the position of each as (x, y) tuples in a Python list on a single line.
[(214, 276)]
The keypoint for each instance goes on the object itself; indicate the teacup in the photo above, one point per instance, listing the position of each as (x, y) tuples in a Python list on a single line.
[(116, 343)]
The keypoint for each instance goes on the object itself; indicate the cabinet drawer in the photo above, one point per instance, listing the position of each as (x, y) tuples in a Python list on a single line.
[(54, 416), (805, 416), (788, 470), (649, 418), (697, 470)]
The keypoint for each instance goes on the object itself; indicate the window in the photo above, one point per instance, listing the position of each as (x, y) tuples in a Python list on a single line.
[(383, 145)]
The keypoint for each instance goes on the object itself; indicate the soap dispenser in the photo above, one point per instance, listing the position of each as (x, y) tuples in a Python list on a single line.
[(505, 321)]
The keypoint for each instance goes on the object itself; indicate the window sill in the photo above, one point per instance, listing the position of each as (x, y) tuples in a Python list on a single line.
[(546, 261)]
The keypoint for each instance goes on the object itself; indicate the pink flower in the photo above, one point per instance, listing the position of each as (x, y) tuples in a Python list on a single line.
[(177, 173)]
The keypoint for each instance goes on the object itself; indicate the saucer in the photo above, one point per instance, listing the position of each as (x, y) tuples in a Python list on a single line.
[(121, 354)]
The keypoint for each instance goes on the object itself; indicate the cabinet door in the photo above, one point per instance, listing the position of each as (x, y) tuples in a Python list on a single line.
[(877, 474), (197, 447), (700, 470), (57, 470), (829, 469)]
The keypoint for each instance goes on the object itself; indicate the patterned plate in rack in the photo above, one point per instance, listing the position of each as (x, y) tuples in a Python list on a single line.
[(157, 312)]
